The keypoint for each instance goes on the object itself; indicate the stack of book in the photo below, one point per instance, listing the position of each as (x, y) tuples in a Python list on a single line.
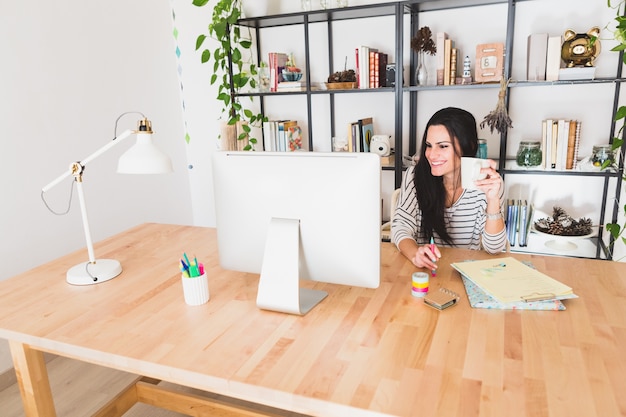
[(544, 60), (448, 59), (360, 135), (282, 136), (560, 142)]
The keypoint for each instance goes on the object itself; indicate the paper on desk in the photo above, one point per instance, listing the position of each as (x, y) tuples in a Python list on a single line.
[(509, 280)]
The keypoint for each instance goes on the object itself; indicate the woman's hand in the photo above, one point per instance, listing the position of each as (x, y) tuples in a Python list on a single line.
[(424, 257), (492, 184)]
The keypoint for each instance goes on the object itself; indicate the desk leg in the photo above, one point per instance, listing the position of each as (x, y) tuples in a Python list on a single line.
[(32, 378)]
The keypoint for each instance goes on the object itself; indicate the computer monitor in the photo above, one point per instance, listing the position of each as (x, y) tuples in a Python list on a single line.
[(299, 215)]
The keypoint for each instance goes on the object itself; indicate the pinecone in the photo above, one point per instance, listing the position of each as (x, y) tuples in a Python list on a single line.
[(562, 224), (342, 77)]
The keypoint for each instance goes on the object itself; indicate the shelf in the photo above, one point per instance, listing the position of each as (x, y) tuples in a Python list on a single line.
[(585, 248), (319, 16)]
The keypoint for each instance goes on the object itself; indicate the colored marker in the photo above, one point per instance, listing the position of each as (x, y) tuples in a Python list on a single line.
[(432, 249)]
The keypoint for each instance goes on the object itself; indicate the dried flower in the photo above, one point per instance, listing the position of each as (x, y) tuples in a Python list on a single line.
[(423, 41), (499, 118)]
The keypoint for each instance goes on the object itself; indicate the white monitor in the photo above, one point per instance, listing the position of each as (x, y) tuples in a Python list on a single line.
[(299, 215)]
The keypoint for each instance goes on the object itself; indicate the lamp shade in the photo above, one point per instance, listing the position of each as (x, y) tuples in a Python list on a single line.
[(144, 158)]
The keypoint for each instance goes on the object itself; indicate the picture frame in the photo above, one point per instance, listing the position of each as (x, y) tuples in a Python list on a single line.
[(489, 62)]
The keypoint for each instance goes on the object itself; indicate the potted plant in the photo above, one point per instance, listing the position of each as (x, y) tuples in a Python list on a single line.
[(233, 69), (617, 231)]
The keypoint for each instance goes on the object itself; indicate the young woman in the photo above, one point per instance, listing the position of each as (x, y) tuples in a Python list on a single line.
[(432, 202)]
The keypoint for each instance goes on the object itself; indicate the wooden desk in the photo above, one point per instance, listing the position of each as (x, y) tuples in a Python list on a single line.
[(361, 352)]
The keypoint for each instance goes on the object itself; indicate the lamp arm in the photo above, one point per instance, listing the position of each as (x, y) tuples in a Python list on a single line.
[(84, 162)]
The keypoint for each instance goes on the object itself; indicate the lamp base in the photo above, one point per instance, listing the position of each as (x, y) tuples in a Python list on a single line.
[(88, 273)]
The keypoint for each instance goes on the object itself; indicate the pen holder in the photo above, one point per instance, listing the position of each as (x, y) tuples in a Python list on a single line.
[(196, 289)]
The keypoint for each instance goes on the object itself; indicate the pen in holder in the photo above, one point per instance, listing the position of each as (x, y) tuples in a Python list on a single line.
[(195, 289), (195, 282)]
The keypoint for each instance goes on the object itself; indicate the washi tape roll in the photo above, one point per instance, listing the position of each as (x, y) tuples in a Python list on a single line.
[(420, 284)]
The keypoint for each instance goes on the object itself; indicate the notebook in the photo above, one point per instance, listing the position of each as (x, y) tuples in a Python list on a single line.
[(478, 298), (441, 299)]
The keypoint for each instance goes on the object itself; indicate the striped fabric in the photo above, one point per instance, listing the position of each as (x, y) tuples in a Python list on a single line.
[(465, 220)]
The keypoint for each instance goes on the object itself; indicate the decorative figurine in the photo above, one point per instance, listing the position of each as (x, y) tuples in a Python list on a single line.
[(581, 49)]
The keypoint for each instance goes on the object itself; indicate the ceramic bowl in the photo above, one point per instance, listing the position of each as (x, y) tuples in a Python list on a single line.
[(291, 76)]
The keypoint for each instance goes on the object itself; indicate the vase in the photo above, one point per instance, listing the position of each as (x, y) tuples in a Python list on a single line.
[(421, 74)]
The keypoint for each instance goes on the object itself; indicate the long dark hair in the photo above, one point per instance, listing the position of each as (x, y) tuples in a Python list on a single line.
[(431, 194)]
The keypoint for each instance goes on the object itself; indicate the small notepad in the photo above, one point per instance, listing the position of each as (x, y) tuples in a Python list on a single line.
[(441, 299)]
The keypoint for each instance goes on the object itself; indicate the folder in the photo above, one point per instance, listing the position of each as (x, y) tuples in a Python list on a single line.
[(508, 280)]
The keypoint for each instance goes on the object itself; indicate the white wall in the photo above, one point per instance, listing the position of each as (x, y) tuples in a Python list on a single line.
[(69, 69)]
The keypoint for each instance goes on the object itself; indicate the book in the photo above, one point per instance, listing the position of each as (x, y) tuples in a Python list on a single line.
[(563, 136), (283, 129), (382, 70), (553, 58), (523, 221), (577, 73), (447, 53), (373, 64), (441, 299), (571, 145), (357, 66), (294, 138), (453, 55), (512, 221), (576, 143), (277, 61), (536, 52), (508, 280), (554, 139), (367, 131), (440, 38)]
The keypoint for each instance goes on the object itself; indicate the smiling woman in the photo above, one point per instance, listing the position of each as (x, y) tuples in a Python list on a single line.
[(434, 205)]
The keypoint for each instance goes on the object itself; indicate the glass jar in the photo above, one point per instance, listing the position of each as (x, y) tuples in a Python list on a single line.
[(529, 154), (481, 152), (602, 153)]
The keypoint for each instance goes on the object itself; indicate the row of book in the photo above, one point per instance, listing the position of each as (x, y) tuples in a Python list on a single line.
[(544, 63), (360, 135), (371, 67), (519, 217), (560, 141), (282, 136)]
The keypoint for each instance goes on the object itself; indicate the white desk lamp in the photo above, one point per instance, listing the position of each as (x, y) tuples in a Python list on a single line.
[(141, 158)]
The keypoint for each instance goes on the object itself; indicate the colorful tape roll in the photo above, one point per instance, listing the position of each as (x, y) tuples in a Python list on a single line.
[(420, 284)]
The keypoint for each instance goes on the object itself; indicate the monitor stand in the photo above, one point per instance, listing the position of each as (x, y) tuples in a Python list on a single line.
[(279, 286)]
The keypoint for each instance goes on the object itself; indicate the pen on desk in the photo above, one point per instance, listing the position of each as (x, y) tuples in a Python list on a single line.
[(433, 272)]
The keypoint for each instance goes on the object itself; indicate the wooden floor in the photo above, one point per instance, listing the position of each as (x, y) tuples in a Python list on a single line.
[(79, 389)]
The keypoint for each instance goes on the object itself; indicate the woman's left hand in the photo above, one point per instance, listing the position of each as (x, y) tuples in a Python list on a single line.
[(492, 184)]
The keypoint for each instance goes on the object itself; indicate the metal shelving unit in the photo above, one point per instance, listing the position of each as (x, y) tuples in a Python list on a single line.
[(414, 8)]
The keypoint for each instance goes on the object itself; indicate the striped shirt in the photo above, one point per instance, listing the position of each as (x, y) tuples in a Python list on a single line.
[(465, 220)]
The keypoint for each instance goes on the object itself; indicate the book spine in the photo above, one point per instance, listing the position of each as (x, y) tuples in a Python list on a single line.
[(553, 58), (571, 144), (382, 70), (577, 143), (523, 219), (440, 42), (446, 64), (358, 68), (554, 143), (372, 66), (536, 56), (453, 55)]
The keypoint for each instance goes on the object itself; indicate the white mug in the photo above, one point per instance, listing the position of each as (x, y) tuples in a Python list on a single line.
[(470, 171)]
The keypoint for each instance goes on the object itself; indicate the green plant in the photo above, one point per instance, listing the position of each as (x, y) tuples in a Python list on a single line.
[(617, 231), (233, 65)]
